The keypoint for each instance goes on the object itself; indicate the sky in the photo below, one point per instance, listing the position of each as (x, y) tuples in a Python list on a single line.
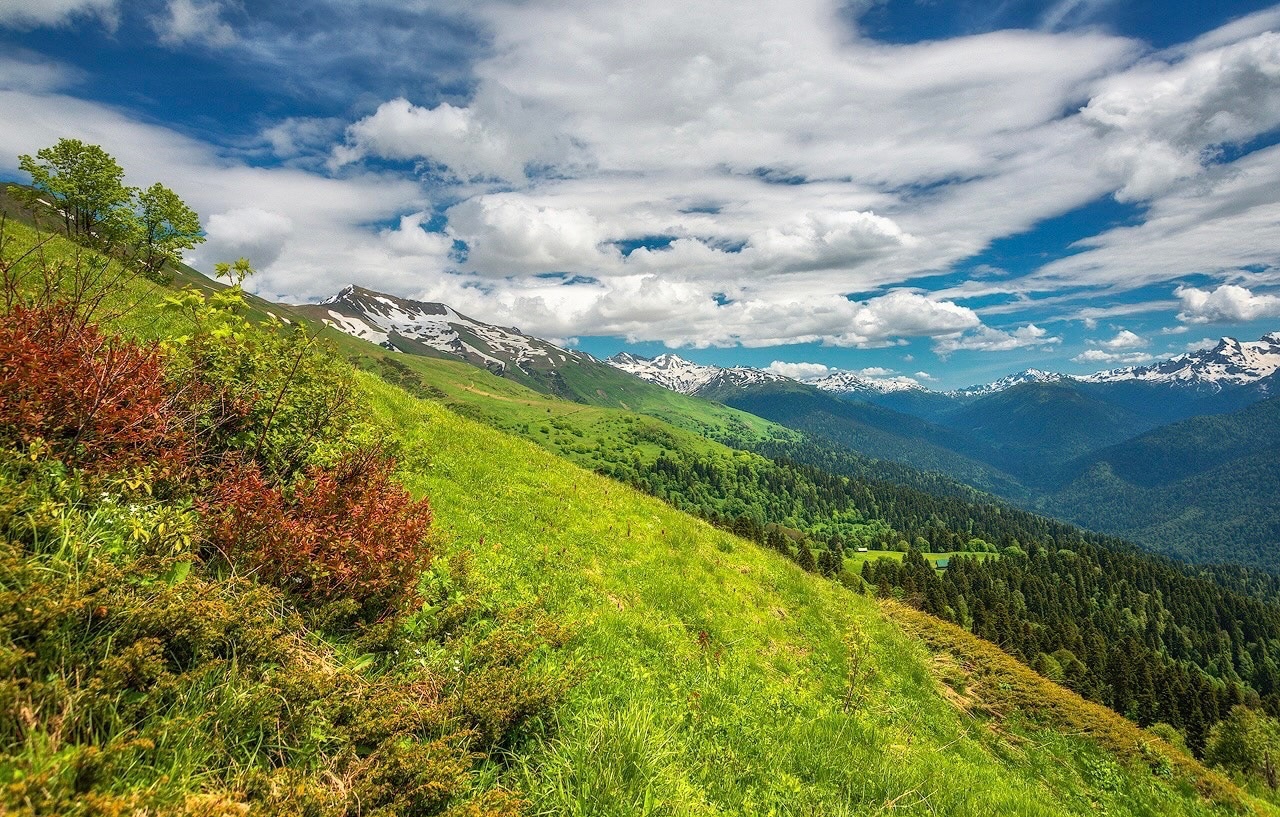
[(941, 190)]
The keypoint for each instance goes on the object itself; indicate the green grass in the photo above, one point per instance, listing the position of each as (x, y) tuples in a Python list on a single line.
[(717, 674)]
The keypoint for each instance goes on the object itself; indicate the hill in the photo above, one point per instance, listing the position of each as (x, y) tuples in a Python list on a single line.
[(1203, 489), (1033, 428)]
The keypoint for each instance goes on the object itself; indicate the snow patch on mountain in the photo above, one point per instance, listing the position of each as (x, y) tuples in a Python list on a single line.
[(851, 383), (1008, 381), (1230, 363), (381, 319), (677, 374)]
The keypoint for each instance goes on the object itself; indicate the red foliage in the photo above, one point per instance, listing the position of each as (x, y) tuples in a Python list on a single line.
[(100, 403), (345, 531)]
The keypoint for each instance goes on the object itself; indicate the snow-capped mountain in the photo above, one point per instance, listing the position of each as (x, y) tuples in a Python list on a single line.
[(1230, 363), (1008, 381), (850, 383), (405, 325), (684, 376)]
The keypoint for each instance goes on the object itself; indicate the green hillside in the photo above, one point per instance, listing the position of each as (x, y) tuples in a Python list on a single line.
[(720, 678)]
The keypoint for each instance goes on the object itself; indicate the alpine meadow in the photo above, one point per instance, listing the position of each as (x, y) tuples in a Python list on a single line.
[(601, 409)]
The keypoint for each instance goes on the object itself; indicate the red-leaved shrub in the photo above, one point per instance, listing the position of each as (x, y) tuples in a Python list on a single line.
[(343, 531), (99, 403)]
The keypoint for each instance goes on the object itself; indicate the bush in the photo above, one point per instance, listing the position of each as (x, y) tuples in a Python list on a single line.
[(97, 403), (341, 531)]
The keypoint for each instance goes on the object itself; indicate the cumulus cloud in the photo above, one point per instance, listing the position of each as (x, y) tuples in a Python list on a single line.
[(1228, 303), (1162, 122), (25, 14), (799, 371), (1124, 339), (189, 21), (506, 233), (248, 232), (1112, 358), (989, 339), (826, 241), (411, 239), (497, 136)]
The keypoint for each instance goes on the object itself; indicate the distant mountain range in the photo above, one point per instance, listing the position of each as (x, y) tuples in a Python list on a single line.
[(1229, 364), (1151, 452)]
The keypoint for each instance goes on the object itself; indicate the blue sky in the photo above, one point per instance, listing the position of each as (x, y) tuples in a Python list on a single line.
[(947, 191)]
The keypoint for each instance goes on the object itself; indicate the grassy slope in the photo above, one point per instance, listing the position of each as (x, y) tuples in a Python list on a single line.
[(715, 673)]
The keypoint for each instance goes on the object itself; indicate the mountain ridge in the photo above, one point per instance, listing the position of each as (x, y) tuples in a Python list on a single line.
[(407, 325)]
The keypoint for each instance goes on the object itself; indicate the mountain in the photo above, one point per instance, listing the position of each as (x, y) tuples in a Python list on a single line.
[(848, 383), (680, 375), (1034, 427), (415, 327), (1230, 363), (1206, 489), (1009, 381)]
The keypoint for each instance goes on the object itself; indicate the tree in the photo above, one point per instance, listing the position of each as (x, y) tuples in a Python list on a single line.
[(1240, 743), (167, 226), (86, 185)]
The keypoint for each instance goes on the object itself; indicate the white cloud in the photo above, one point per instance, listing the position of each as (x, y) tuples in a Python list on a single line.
[(924, 376), (1162, 122), (33, 74), (508, 234), (495, 137), (988, 339), (190, 21), (826, 241), (1202, 344), (1124, 339), (799, 371), (298, 136), (1226, 304), (411, 239), (247, 232), (1223, 222), (1113, 358), (25, 14)]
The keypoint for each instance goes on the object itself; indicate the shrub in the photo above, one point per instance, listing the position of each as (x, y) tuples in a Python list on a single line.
[(97, 403), (274, 394), (342, 531)]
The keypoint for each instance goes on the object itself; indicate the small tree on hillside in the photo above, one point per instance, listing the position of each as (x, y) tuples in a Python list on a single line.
[(166, 226), (86, 185)]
